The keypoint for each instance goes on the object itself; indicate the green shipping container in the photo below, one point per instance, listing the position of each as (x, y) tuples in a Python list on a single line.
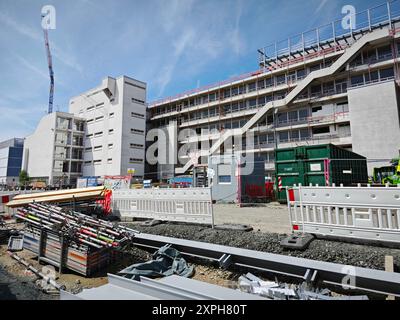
[(316, 165)]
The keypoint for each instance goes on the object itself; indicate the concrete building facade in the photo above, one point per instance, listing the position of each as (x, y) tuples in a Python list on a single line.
[(54, 152), (341, 90), (115, 114), (10, 161)]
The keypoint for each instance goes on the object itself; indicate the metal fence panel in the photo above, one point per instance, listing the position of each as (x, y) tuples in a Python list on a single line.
[(359, 213), (193, 205)]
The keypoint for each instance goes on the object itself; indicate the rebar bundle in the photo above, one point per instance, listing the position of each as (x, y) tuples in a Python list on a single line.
[(75, 226)]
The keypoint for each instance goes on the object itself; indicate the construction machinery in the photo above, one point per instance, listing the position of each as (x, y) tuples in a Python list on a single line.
[(395, 178), (51, 72)]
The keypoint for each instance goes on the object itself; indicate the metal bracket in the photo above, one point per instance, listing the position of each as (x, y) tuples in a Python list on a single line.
[(225, 261), (310, 276)]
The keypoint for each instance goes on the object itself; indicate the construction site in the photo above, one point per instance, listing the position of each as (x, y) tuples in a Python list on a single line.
[(279, 184)]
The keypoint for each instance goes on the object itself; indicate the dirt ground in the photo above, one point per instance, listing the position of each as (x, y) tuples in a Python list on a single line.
[(273, 217), (16, 283)]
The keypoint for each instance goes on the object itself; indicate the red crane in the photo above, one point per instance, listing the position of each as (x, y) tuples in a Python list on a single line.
[(51, 72)]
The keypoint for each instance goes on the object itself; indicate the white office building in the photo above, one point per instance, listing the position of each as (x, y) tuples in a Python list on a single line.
[(115, 114), (54, 152)]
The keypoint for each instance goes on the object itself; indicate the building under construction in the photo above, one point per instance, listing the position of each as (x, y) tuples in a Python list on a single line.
[(327, 85)]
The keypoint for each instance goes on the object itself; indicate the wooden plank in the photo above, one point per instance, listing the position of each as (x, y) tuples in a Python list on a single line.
[(57, 193), (389, 267), (58, 198)]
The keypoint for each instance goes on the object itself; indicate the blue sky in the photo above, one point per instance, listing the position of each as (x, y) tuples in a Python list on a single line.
[(173, 45)]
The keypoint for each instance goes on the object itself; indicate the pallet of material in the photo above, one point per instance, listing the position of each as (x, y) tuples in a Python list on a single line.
[(80, 258)]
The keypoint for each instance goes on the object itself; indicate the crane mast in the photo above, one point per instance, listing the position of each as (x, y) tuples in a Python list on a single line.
[(51, 73)]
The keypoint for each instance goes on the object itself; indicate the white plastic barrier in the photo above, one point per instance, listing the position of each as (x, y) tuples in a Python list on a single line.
[(192, 205), (368, 213)]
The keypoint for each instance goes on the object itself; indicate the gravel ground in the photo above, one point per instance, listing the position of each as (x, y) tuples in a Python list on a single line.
[(19, 288), (330, 251), (265, 218)]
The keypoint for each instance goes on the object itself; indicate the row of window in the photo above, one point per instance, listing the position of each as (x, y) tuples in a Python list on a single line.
[(329, 88), (111, 115), (374, 76), (109, 161), (370, 56), (98, 134)]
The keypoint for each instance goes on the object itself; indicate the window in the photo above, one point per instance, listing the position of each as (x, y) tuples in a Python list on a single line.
[(99, 118), (138, 101), (357, 80), (384, 52), (109, 160), (235, 91), (224, 179), (90, 121), (135, 160), (282, 117), (97, 162), (252, 103), (314, 68), (372, 76), (304, 134), (137, 131), (137, 146), (386, 73), (90, 108), (280, 79), (111, 131), (301, 74), (134, 85), (251, 87), (227, 109), (111, 115), (87, 163), (98, 134), (235, 124), (283, 136), (227, 93), (98, 148), (261, 84), (88, 149), (89, 136), (303, 114), (137, 115), (269, 82), (100, 105), (293, 116), (316, 109), (294, 135), (322, 130)]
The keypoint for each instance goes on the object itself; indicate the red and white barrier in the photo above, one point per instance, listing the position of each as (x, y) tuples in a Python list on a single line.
[(368, 213), (4, 199)]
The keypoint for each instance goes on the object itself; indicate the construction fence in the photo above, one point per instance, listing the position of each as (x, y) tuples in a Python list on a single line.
[(366, 213), (191, 205)]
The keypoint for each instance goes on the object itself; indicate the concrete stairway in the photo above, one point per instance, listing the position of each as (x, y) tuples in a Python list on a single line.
[(334, 68)]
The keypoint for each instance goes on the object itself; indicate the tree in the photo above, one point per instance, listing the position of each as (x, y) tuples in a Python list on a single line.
[(23, 177)]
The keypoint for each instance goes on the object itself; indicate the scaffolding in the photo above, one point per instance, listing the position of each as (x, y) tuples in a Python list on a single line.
[(327, 39)]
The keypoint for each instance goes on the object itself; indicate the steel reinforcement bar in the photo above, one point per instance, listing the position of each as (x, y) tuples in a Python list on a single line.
[(348, 277)]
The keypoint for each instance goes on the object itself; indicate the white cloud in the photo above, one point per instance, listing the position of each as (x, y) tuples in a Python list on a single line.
[(66, 59), (322, 4), (31, 67)]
